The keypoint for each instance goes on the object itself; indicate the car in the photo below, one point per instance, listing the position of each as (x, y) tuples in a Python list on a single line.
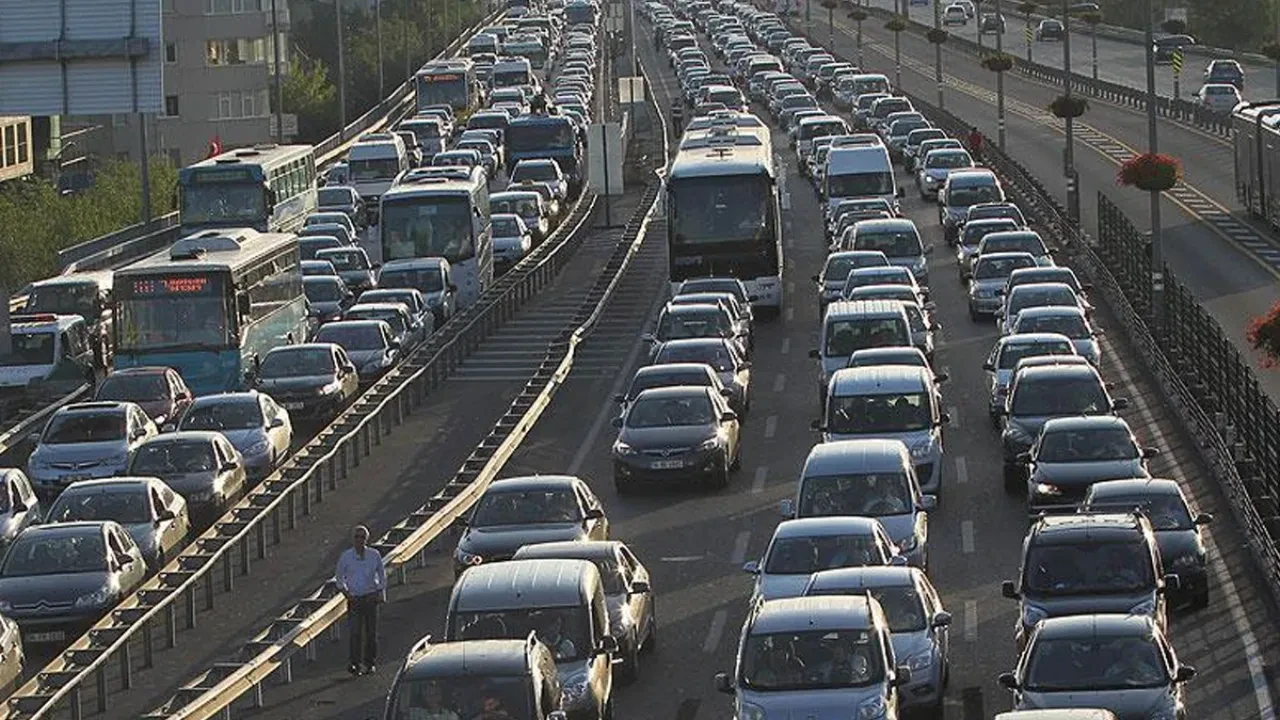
[(961, 190), (899, 239), (529, 205), (991, 211), (1069, 321), (716, 284), (309, 380), (58, 580), (256, 426), (1167, 46), (337, 217), (723, 356), (955, 15), (911, 150), (346, 200), (512, 240), (369, 344), (1017, 241), (991, 24), (677, 322), (84, 441), (1219, 97), (1224, 71), (888, 275), (19, 508), (988, 278), (422, 320), (1178, 529), (433, 277), (904, 355), (201, 466), (676, 434), (1072, 453), (406, 330), (337, 230), (933, 169), (969, 239), (542, 171), (1123, 663), (919, 626), (518, 511), (159, 391), (1050, 29), (739, 312), (836, 269), (319, 268), (633, 619), (151, 512), (687, 374), (309, 246), (1036, 295), (801, 547), (327, 297), (352, 265)]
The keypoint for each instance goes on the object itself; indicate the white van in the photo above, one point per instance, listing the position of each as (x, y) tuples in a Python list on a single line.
[(373, 163), (858, 166), (849, 326)]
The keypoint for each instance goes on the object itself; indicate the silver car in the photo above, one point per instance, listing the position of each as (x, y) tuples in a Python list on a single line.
[(724, 356), (511, 240), (1027, 241), (154, 515), (836, 270), (804, 546), (970, 238), (1069, 321), (1006, 355), (255, 424), (86, 441), (19, 506), (918, 624), (1072, 453), (990, 273), (1035, 295)]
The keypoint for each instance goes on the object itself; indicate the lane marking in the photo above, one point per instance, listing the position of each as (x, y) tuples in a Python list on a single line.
[(966, 537), (962, 470), (779, 382), (954, 412), (739, 554), (682, 558), (770, 426), (791, 314), (786, 345), (971, 620), (715, 631), (757, 482)]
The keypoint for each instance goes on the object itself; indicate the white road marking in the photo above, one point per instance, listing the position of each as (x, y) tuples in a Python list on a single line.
[(971, 620), (715, 631), (962, 470), (682, 558), (757, 482), (786, 345), (966, 537), (779, 382), (739, 554), (770, 426), (954, 412)]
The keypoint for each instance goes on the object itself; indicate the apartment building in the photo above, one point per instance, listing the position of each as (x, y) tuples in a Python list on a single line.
[(16, 152), (218, 80)]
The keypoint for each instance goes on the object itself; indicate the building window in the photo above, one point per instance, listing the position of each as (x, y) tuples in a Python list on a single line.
[(10, 145), (240, 104), (171, 105), (171, 52), (237, 51), (22, 143), (229, 7)]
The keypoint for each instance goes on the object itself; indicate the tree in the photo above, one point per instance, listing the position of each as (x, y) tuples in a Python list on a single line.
[(309, 93), (1174, 26)]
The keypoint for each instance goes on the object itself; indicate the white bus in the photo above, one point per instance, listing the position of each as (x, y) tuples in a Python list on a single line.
[(723, 213), (270, 188)]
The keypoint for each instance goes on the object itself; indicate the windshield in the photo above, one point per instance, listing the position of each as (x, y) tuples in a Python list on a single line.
[(667, 379), (1011, 353), (334, 291), (242, 414), (902, 605), (375, 168), (167, 312), (1073, 326), (64, 299), (427, 227), (844, 337), (461, 697), (532, 136), (1166, 512), (390, 317), (352, 337), (127, 506), (893, 243), (676, 326), (173, 458), (879, 414), (346, 259), (84, 427), (859, 184), (1060, 396), (1016, 243), (717, 356), (974, 232), (55, 554), (510, 78), (223, 203), (308, 247), (671, 412), (807, 555), (30, 349), (1056, 297), (137, 387), (811, 660), (966, 195), (296, 362), (334, 197), (445, 89), (1098, 445), (426, 280), (526, 207), (721, 209), (889, 107), (992, 268), (540, 172), (1096, 664), (839, 266), (947, 160), (506, 227), (868, 495), (1091, 568), (526, 507), (565, 630)]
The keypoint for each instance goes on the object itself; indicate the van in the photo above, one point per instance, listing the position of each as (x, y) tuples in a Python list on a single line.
[(849, 326), (894, 402), (374, 162), (859, 169), (51, 355), (563, 602)]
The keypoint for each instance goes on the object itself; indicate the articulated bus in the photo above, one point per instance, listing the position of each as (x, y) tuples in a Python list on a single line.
[(448, 82), (270, 188), (1257, 155), (723, 212), (431, 214), (211, 306)]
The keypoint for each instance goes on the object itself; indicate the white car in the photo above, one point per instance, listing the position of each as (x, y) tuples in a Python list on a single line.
[(955, 15), (1221, 97)]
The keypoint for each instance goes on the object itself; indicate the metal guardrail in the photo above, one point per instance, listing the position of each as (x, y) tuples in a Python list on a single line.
[(27, 417), (1177, 110)]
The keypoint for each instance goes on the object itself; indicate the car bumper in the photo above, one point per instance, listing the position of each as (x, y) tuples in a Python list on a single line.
[(311, 407), (925, 691), (651, 470), (258, 466), (985, 305), (49, 483), (55, 629)]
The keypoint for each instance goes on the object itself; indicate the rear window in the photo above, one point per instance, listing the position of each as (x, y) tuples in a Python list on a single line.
[(845, 336)]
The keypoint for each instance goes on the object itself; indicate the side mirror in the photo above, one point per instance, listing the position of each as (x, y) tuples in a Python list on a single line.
[(277, 423), (941, 619), (460, 522), (166, 514), (751, 567), (898, 561), (944, 418), (941, 377), (787, 508), (746, 365), (229, 465), (166, 428), (1150, 452), (928, 249), (1204, 519), (593, 514), (815, 354), (34, 438), (124, 560), (1008, 680), (1120, 404), (815, 278), (1184, 674), (616, 422), (1172, 583), (728, 416), (901, 675), (1009, 590), (639, 587), (726, 392), (395, 344), (608, 645), (929, 503), (817, 426), (453, 288), (649, 338), (619, 398), (989, 366), (348, 369), (723, 683)]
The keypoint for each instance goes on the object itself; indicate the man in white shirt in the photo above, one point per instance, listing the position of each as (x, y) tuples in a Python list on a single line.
[(363, 580)]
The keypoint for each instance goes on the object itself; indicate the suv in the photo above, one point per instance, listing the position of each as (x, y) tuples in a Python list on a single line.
[(1080, 563), (56, 349), (86, 441), (462, 678)]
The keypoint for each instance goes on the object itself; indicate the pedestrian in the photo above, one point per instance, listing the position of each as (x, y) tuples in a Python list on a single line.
[(363, 580), (975, 143)]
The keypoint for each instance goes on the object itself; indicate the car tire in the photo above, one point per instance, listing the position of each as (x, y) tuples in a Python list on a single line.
[(974, 315), (719, 479), (1013, 480), (736, 465)]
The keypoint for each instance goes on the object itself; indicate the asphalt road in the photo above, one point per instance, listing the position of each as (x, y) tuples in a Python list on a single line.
[(695, 543), (1236, 279), (1118, 61)]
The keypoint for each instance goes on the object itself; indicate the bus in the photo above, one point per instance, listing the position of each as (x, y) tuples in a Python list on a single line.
[(1256, 140), (435, 214), (448, 82), (512, 72), (553, 137), (723, 212), (211, 306), (270, 188), (585, 13), (530, 46)]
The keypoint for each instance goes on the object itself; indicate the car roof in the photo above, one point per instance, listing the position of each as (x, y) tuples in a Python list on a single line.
[(682, 367), (881, 380), (298, 347), (97, 406), (533, 482), (387, 306), (1072, 528), (866, 454), (68, 528), (1050, 371), (111, 483), (1072, 627), (693, 343), (420, 263), (538, 583), (480, 658), (890, 352), (1085, 422), (818, 612), (1033, 287), (672, 392), (227, 397), (691, 308), (845, 309), (570, 550), (179, 436), (879, 224), (141, 370), (1033, 338), (874, 576), (1135, 486)]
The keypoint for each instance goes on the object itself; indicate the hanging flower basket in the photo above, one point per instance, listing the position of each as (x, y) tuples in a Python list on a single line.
[(830, 4), (998, 63), (1263, 335), (895, 25), (858, 15), (1028, 8), (1151, 173), (936, 36), (1068, 107)]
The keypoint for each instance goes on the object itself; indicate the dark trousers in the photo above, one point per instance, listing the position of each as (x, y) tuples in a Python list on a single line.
[(362, 626)]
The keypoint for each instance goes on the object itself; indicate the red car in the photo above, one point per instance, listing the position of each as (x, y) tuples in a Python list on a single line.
[(160, 391)]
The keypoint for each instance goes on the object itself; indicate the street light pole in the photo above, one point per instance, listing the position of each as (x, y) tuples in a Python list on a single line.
[(1157, 252), (897, 48), (999, 78), (342, 75), (937, 49), (1069, 152), (279, 83), (377, 23)]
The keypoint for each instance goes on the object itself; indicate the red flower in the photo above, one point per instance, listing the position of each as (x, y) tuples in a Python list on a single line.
[(1150, 172), (1263, 335)]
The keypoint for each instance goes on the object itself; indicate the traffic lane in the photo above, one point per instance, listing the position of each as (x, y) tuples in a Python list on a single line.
[(1234, 286)]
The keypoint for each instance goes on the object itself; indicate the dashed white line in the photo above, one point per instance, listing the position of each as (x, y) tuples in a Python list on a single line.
[(682, 558), (739, 554), (970, 620), (966, 537), (962, 470), (779, 382), (757, 482), (770, 426), (715, 631), (786, 346), (791, 314), (954, 412)]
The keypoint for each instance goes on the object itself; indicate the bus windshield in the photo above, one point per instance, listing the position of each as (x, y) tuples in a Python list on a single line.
[(511, 78), (242, 203), (64, 299), (722, 209), (444, 89), (173, 312), (427, 227), (526, 137)]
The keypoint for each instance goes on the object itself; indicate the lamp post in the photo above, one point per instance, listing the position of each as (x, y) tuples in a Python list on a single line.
[(1069, 152), (342, 75), (937, 48), (1157, 252), (377, 24), (1000, 79), (279, 84)]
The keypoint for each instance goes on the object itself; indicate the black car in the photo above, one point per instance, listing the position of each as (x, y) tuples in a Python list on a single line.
[(369, 345), (1226, 72), (315, 380), (1166, 46), (328, 297), (1050, 30), (675, 434), (344, 199)]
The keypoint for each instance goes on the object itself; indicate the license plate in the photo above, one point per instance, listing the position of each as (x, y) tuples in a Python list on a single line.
[(292, 405), (667, 464), (46, 637)]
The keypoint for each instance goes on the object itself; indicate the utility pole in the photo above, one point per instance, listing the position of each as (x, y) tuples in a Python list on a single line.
[(1157, 252), (1069, 152), (408, 63), (808, 18), (937, 48), (279, 82), (342, 75), (1000, 79), (377, 23)]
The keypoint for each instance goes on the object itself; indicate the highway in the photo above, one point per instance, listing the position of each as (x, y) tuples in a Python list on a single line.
[(695, 543), (1230, 265)]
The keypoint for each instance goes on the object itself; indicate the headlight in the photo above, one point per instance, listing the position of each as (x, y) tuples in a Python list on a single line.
[(922, 450), (623, 449), (1047, 489), (331, 388), (575, 689), (1032, 615), (747, 711), (1190, 560), (710, 444), (920, 661), (97, 598), (1146, 607), (258, 448), (466, 558), (873, 708)]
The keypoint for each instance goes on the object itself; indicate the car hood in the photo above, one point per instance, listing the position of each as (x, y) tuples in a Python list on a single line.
[(1086, 347), (325, 308), (1127, 704), (294, 384), (908, 644), (88, 452), (1067, 605), (837, 704), (184, 483), (620, 618), (507, 243), (899, 527), (1083, 474), (350, 276), (64, 588), (938, 174), (988, 284), (144, 534), (1174, 544), (245, 438), (775, 586), (504, 540), (666, 437), (363, 357)]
